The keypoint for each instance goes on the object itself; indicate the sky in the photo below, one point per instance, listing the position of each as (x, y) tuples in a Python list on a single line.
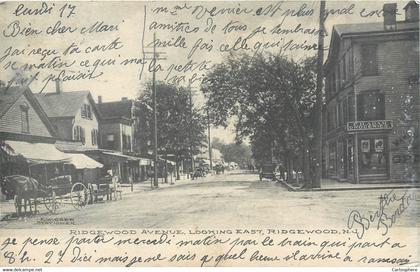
[(128, 35)]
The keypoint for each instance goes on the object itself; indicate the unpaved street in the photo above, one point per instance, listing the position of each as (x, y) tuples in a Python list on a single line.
[(232, 200)]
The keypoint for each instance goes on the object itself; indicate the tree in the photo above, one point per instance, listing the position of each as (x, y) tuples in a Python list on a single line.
[(272, 98), (180, 129)]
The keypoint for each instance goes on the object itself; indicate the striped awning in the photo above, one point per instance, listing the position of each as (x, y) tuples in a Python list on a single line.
[(36, 153)]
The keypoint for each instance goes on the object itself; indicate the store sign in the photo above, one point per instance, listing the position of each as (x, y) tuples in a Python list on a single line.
[(369, 125)]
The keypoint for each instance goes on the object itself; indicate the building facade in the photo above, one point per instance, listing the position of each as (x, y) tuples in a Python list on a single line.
[(371, 119), (73, 114), (117, 135)]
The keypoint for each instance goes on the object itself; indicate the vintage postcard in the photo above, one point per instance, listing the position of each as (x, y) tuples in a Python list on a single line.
[(209, 134)]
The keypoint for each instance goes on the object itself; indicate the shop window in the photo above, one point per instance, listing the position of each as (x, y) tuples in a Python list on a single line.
[(24, 116), (371, 106), (332, 150), (373, 156), (369, 60), (350, 154)]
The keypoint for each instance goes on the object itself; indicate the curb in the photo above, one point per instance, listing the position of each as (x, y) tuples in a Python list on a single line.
[(358, 188)]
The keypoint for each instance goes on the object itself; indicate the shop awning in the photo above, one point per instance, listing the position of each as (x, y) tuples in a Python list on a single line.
[(119, 157), (81, 161), (37, 153)]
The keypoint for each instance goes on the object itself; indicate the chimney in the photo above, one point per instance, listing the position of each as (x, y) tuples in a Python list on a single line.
[(411, 12), (58, 86), (124, 99), (99, 99), (390, 16)]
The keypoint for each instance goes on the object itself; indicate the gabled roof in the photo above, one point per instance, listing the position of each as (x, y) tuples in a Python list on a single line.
[(9, 96), (116, 109), (64, 104)]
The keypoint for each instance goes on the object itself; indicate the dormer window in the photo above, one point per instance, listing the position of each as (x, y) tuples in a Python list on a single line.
[(86, 111), (24, 116)]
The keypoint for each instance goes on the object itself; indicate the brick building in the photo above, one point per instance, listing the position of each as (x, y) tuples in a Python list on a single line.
[(371, 119)]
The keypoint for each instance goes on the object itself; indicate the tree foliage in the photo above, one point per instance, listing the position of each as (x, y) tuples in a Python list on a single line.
[(234, 152), (180, 126), (272, 99)]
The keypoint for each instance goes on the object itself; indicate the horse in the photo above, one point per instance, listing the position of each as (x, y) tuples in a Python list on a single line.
[(21, 188)]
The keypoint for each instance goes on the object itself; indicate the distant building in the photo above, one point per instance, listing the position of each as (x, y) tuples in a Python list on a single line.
[(371, 119)]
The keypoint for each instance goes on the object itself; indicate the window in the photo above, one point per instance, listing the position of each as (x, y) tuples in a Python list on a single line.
[(86, 111), (344, 67), (94, 136), (373, 155), (337, 78), (24, 116), (127, 142), (79, 134), (370, 106), (331, 118), (332, 84), (350, 108), (369, 60), (110, 141)]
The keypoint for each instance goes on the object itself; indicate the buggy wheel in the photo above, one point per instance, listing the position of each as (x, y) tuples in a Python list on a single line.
[(79, 196), (51, 203)]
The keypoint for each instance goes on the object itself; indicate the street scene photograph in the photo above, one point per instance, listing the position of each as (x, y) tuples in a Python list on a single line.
[(269, 117)]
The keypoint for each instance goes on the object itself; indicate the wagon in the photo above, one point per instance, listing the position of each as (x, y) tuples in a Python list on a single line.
[(61, 191)]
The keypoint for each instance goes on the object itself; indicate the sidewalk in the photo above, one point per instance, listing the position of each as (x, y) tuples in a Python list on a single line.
[(7, 208), (334, 185), (147, 184)]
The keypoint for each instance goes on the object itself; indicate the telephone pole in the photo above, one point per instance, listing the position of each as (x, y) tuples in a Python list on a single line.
[(209, 139), (154, 59), (318, 103), (155, 152), (191, 137)]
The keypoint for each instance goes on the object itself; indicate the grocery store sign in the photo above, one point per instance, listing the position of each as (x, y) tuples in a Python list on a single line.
[(369, 125)]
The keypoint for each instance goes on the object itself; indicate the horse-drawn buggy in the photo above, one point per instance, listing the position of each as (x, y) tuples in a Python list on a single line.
[(57, 192)]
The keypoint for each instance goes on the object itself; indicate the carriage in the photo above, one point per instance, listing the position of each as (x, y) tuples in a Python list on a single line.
[(56, 192), (61, 191)]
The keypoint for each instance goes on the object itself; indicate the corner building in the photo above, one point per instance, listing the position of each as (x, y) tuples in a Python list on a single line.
[(371, 118)]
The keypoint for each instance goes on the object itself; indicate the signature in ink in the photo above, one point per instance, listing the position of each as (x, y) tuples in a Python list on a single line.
[(380, 219)]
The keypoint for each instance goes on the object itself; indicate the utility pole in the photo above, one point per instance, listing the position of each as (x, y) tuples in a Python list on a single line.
[(318, 103), (191, 140), (154, 59), (209, 136), (155, 144)]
